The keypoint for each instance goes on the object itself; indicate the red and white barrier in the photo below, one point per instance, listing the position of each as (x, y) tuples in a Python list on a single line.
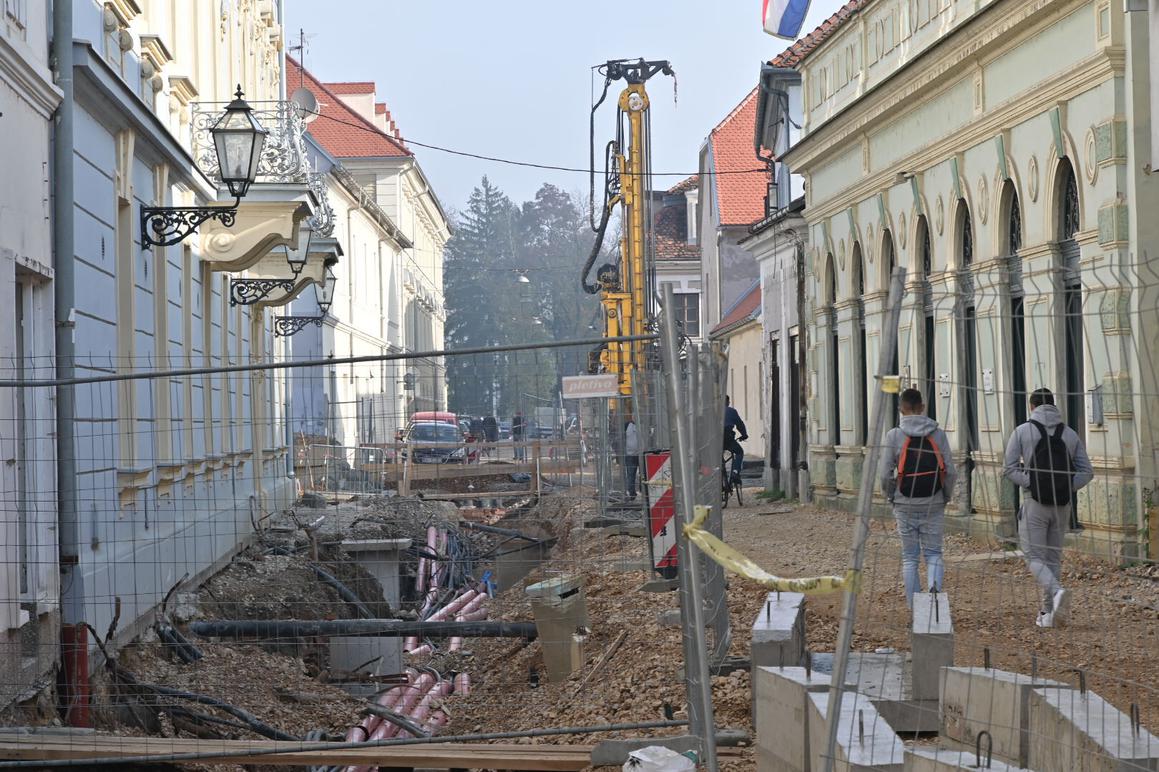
[(661, 510)]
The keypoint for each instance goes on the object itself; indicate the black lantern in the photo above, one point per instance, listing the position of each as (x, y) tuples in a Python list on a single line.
[(238, 140), (297, 257), (326, 294), (291, 325)]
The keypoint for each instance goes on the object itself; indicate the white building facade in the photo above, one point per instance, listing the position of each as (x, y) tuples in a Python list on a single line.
[(993, 150)]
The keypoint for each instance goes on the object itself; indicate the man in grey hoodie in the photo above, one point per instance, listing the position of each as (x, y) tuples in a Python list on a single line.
[(919, 517), (1041, 527)]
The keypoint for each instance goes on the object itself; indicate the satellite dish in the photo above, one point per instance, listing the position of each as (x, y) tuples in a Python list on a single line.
[(307, 104)]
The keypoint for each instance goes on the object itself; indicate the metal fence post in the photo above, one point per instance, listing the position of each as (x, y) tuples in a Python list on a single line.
[(697, 679), (861, 528)]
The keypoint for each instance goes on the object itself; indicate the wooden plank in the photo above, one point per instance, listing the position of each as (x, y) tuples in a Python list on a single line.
[(478, 495), (551, 758)]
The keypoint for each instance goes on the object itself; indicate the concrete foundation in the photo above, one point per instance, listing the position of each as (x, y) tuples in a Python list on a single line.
[(781, 717), (926, 760), (877, 676), (348, 653), (976, 699), (512, 566), (865, 740), (1076, 731), (560, 608), (779, 631), (910, 716), (932, 643)]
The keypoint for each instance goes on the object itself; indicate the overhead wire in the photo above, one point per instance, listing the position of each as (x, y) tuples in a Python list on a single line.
[(513, 162)]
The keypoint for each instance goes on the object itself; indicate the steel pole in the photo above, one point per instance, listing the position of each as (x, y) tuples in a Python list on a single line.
[(861, 528), (697, 680)]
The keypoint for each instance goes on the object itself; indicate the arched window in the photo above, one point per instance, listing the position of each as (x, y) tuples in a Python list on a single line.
[(834, 356), (857, 269), (929, 367), (1011, 244), (965, 234), (888, 263), (1069, 218)]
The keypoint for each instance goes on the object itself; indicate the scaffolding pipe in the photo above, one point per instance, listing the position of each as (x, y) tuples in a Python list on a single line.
[(864, 505), (387, 628)]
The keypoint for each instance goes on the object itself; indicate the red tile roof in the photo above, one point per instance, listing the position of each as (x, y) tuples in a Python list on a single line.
[(744, 310), (670, 225), (341, 131), (796, 53), (688, 183), (740, 182), (352, 87)]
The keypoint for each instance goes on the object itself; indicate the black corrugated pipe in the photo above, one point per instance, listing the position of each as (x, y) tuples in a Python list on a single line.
[(391, 628), (343, 591)]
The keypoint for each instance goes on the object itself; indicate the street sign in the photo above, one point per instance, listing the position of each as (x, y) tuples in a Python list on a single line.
[(591, 386)]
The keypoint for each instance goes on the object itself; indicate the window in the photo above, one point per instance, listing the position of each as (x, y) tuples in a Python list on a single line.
[(16, 13), (687, 312)]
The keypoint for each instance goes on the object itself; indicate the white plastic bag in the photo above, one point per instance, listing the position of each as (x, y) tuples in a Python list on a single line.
[(657, 758)]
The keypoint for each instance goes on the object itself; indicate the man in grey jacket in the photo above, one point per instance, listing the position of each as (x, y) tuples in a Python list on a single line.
[(919, 517), (1041, 527)]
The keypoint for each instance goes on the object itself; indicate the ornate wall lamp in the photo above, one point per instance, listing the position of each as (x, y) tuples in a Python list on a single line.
[(285, 326), (238, 140), (246, 292)]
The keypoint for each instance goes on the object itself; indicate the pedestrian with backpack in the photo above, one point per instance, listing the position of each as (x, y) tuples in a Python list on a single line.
[(918, 478), (1046, 459)]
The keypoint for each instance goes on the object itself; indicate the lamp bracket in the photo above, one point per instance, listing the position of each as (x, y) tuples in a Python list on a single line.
[(284, 326), (164, 226), (246, 292)]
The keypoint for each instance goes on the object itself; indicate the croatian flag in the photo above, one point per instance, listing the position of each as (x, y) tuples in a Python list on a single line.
[(784, 18)]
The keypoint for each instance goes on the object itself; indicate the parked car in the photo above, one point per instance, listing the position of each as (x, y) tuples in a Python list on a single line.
[(504, 430), (436, 442)]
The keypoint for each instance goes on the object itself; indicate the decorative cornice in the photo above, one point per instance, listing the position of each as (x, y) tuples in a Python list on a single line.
[(181, 87), (32, 83), (897, 94), (153, 47), (126, 10), (1084, 75)]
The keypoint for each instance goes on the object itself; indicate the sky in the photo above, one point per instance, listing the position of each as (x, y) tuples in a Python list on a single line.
[(513, 78)]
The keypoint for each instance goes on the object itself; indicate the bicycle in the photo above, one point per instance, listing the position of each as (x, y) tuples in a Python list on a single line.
[(728, 486)]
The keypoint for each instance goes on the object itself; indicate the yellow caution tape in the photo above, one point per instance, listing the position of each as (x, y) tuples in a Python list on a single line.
[(739, 564)]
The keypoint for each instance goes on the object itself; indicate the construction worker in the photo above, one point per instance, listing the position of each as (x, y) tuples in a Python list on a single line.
[(517, 431), (1047, 460)]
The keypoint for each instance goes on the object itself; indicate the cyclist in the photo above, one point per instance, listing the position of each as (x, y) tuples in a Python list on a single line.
[(732, 425)]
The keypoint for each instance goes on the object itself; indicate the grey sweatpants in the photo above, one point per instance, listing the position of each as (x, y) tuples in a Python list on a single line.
[(1040, 530)]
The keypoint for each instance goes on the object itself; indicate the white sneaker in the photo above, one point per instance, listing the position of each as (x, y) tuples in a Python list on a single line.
[(1045, 619), (1060, 605)]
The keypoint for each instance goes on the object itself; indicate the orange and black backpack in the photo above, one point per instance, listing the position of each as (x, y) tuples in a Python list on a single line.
[(920, 469)]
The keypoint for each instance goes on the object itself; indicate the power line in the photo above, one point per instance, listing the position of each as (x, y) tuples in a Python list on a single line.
[(512, 162)]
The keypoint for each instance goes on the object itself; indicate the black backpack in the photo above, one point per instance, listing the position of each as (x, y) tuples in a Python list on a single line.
[(919, 468), (1051, 471)]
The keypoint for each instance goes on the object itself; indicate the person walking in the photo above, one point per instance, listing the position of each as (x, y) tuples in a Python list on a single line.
[(917, 478), (490, 433), (517, 432), (732, 425), (631, 457), (1046, 459)]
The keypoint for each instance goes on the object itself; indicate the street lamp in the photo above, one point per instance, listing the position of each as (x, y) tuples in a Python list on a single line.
[(285, 326), (246, 292), (238, 140)]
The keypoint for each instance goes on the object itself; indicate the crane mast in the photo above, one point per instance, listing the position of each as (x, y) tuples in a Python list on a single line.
[(624, 290)]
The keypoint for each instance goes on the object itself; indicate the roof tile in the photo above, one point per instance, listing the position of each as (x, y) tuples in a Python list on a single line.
[(341, 131), (740, 184), (796, 53), (745, 309)]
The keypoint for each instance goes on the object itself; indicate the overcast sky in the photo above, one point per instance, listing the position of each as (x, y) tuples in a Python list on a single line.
[(512, 78)]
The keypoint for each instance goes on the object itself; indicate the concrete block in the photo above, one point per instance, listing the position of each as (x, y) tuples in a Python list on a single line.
[(883, 676), (865, 741), (560, 608), (932, 642), (945, 760), (380, 557), (348, 652), (1072, 730), (781, 716), (974, 699), (910, 716), (779, 631)]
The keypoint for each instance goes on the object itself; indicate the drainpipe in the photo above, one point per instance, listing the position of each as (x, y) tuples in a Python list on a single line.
[(74, 649), (804, 491)]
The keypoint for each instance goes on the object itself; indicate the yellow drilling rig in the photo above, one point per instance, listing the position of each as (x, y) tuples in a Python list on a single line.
[(626, 287)]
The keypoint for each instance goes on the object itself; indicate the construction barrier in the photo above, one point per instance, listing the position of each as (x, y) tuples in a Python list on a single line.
[(661, 511)]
